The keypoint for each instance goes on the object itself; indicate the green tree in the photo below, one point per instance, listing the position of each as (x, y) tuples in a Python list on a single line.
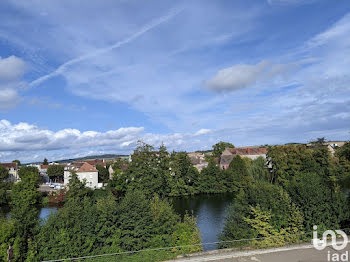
[(319, 204), (24, 170), (289, 160), (55, 172), (17, 161), (76, 189), (211, 179), (218, 148), (258, 170), (45, 162), (24, 200), (237, 175), (135, 223), (344, 151), (285, 217), (4, 175), (103, 174), (184, 177)]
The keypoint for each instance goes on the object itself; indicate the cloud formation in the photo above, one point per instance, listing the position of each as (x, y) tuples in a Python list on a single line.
[(245, 75), (24, 139), (12, 69)]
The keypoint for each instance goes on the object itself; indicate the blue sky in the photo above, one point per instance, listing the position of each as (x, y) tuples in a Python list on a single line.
[(93, 77)]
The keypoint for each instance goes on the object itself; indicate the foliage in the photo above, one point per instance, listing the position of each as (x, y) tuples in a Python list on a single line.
[(211, 179), (103, 174), (258, 170), (3, 188), (88, 226), (265, 198), (218, 148), (76, 189), (237, 175), (344, 151), (319, 204), (288, 161), (45, 162), (24, 199), (55, 172), (27, 170), (17, 161), (7, 237)]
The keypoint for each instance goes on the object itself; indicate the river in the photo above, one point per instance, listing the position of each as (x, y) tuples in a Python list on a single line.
[(210, 211)]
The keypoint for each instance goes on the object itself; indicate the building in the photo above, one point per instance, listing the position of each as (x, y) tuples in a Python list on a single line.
[(331, 145), (198, 160), (249, 152), (85, 172), (13, 171)]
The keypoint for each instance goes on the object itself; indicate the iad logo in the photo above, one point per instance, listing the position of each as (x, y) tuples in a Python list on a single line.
[(321, 244)]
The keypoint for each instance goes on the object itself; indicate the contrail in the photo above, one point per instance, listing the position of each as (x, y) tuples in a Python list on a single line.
[(62, 68)]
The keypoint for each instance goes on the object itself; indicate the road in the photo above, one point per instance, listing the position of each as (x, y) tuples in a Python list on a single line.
[(300, 253)]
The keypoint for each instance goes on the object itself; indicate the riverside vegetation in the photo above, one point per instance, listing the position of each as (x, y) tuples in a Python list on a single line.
[(278, 201)]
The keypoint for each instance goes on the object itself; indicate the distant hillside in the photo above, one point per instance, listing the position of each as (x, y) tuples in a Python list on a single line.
[(105, 156)]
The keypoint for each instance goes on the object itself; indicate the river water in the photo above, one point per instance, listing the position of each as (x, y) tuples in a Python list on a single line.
[(210, 211)]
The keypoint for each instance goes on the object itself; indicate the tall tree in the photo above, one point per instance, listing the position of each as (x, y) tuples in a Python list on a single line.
[(103, 174), (25, 170), (218, 148), (24, 200), (55, 172), (3, 188), (237, 175), (45, 162)]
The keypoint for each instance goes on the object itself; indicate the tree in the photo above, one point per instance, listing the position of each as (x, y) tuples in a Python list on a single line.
[(319, 204), (237, 175), (24, 199), (103, 174), (344, 151), (269, 201), (184, 177), (4, 175), (25, 170), (17, 161), (258, 170), (45, 162), (211, 179), (55, 172), (218, 148), (289, 160)]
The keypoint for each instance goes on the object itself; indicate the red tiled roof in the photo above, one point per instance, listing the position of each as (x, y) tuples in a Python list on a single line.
[(44, 166), (248, 150), (9, 165), (86, 167)]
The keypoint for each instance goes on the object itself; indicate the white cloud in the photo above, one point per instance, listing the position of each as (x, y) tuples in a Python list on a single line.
[(11, 70), (24, 141), (244, 75)]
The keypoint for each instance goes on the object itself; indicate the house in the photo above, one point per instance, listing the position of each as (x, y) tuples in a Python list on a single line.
[(93, 162), (12, 170), (85, 172), (331, 145), (249, 152), (198, 160)]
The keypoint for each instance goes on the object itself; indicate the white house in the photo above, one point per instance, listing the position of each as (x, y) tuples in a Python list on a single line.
[(85, 172), (12, 170)]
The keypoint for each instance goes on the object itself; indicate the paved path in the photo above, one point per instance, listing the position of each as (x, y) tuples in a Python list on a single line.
[(300, 253)]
